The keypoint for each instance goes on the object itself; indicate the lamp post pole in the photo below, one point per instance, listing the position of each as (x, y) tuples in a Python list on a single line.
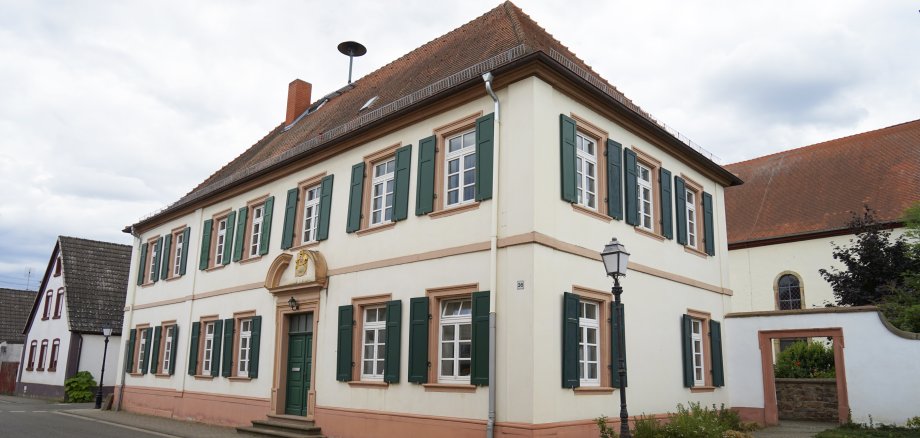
[(105, 351), (621, 357)]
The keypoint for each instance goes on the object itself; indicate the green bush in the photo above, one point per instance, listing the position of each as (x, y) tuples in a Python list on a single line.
[(80, 387), (913, 423), (694, 421), (606, 431), (902, 313), (805, 360)]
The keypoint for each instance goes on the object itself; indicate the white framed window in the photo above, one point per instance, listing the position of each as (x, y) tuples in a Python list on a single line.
[(586, 170), (373, 343), (177, 259), (310, 214), (383, 185), (588, 344), (141, 357), (257, 214), (691, 218), (208, 348), (221, 242), (245, 347), (460, 172), (455, 341), (153, 261), (646, 211), (696, 340), (167, 347)]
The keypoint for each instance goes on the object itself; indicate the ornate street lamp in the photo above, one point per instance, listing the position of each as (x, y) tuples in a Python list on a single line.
[(616, 260), (105, 332), (293, 303)]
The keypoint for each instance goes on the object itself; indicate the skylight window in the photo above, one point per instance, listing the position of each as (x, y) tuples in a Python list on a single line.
[(369, 103)]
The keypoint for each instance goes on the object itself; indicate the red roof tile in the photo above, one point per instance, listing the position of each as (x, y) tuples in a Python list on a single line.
[(815, 188)]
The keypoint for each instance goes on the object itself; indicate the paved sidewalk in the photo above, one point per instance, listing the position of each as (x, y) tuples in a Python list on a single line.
[(794, 429), (163, 426)]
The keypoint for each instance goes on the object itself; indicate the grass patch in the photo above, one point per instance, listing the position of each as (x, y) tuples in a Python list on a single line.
[(882, 432)]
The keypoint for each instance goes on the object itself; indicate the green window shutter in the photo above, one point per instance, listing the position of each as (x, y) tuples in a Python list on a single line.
[(355, 197), (708, 232), (325, 206), (255, 341), (227, 362), (205, 244), (185, 245), (567, 158), (394, 334), (485, 148), (175, 347), (142, 264), (715, 354), (129, 357), (680, 209), (193, 349), (479, 358), (614, 153), (570, 304), (664, 189), (617, 336), (424, 188), (418, 339), (156, 260), (267, 214), (228, 238), (631, 186), (167, 243), (401, 192), (345, 360), (290, 213), (215, 353), (236, 241), (687, 344), (155, 357), (146, 351)]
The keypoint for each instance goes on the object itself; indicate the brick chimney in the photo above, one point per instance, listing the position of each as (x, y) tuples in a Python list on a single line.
[(298, 99)]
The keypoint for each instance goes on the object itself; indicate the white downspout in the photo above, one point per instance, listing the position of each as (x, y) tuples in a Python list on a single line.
[(493, 257)]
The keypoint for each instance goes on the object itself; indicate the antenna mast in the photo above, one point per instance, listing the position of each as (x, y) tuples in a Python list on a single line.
[(352, 50)]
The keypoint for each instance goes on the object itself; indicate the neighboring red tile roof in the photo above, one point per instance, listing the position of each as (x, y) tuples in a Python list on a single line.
[(815, 188), (496, 38)]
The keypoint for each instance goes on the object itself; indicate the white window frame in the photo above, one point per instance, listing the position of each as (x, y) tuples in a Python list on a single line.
[(586, 170), (177, 260), (310, 213), (245, 348), (585, 326), (221, 245), (167, 347), (699, 359), (460, 155), (207, 361), (140, 349), (646, 203), (382, 200), (377, 345), (457, 322), (153, 261), (691, 218), (258, 214)]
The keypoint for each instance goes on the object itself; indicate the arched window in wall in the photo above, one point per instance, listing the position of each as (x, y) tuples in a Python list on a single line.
[(789, 292)]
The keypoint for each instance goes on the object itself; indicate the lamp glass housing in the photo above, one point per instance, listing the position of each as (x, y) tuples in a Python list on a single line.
[(615, 257), (107, 332)]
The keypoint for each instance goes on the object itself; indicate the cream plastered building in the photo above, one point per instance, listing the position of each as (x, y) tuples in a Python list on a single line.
[(784, 222), (347, 267)]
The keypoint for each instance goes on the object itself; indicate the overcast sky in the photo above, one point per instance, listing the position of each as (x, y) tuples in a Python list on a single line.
[(111, 110)]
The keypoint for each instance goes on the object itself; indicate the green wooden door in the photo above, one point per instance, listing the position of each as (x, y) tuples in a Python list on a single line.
[(300, 346)]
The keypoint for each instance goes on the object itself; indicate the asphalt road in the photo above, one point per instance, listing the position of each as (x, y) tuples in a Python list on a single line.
[(28, 418)]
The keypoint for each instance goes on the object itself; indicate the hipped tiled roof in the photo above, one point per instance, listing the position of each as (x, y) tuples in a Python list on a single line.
[(14, 312), (815, 188), (496, 38), (96, 281)]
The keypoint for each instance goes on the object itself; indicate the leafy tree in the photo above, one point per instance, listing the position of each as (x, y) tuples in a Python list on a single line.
[(875, 265)]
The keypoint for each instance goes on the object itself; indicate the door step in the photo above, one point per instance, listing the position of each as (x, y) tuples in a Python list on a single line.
[(284, 426)]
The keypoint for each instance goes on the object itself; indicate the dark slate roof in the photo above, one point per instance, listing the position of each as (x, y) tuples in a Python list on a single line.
[(14, 312), (498, 38), (96, 281), (814, 189)]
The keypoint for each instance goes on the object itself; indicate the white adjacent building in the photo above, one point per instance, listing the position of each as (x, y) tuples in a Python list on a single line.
[(345, 268), (81, 293)]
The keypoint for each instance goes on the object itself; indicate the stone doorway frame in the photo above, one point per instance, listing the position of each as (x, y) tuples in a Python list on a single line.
[(765, 340)]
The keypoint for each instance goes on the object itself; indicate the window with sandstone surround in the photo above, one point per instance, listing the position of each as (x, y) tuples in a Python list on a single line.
[(55, 349), (41, 355), (49, 298), (455, 166), (59, 303), (207, 339), (32, 348), (648, 172)]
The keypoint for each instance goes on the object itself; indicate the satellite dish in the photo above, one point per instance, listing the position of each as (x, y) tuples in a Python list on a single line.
[(351, 49)]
